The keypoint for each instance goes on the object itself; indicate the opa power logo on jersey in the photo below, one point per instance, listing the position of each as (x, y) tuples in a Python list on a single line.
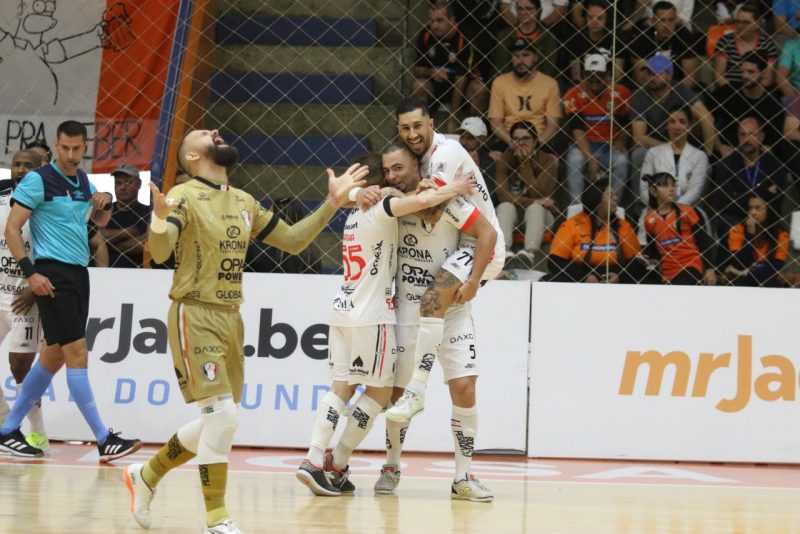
[(231, 269), (410, 250), (416, 276)]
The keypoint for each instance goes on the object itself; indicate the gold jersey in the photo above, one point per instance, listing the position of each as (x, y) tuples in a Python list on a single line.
[(216, 224)]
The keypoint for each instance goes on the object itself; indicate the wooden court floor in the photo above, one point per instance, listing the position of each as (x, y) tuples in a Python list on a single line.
[(68, 492)]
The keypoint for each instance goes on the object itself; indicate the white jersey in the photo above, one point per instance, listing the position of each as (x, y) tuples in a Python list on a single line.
[(369, 249), (420, 256), (460, 214), (440, 163), (12, 281)]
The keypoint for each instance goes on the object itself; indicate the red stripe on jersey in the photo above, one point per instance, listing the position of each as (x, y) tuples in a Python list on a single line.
[(470, 220), (439, 182), (383, 350)]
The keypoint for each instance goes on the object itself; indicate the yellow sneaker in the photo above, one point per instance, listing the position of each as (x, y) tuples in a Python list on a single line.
[(40, 441)]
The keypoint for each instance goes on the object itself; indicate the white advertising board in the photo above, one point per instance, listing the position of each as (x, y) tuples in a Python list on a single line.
[(286, 371), (664, 373)]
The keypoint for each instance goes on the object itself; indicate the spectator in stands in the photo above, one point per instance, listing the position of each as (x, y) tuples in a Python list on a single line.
[(788, 71), (750, 99), (97, 248), (748, 37), (669, 38), (650, 107), (480, 20), (530, 28), (596, 116), (594, 37), (43, 149), (738, 174), (472, 136), (126, 232), (524, 94), (441, 72), (550, 12), (676, 235), (587, 248), (678, 158), (526, 181), (785, 18), (709, 13), (758, 248)]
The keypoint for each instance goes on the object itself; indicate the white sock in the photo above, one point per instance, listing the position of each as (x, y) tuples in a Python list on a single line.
[(429, 337), (325, 420), (464, 425), (359, 423), (4, 407), (35, 416), (395, 437)]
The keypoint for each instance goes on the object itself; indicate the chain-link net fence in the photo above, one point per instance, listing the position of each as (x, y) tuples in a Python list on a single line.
[(622, 141)]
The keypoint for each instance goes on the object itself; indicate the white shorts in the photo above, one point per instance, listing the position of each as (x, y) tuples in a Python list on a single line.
[(459, 263), (26, 331), (363, 354), (457, 354)]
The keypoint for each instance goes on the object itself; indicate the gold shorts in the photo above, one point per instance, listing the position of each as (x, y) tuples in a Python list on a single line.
[(207, 348)]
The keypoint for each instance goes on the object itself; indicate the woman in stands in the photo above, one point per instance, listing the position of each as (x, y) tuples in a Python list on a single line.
[(758, 247), (676, 234), (595, 245), (687, 163)]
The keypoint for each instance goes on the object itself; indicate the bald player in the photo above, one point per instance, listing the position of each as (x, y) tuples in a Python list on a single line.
[(208, 224)]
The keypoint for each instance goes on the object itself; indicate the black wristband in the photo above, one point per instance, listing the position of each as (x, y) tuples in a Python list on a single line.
[(27, 267)]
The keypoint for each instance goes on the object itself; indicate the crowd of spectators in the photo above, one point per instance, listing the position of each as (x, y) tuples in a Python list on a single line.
[(702, 95)]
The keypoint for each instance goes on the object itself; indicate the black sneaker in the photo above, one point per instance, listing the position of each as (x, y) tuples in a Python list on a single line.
[(316, 479), (116, 447), (339, 477), (14, 443)]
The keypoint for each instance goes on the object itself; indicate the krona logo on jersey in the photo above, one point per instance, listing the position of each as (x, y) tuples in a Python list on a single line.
[(408, 250), (777, 384)]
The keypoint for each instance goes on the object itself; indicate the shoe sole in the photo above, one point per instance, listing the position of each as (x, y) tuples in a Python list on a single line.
[(397, 419), (471, 499), (307, 479), (18, 454), (112, 457), (385, 492), (129, 484)]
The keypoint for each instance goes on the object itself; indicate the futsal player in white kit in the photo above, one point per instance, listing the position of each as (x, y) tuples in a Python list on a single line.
[(19, 316), (362, 345), (422, 258)]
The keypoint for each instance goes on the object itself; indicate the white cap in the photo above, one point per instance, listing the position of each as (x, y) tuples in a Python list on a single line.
[(594, 63), (474, 125)]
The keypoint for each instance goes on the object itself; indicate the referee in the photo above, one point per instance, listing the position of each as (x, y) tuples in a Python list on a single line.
[(59, 200)]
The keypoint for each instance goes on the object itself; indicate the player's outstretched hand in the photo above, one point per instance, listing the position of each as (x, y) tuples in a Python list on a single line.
[(339, 186), (161, 204)]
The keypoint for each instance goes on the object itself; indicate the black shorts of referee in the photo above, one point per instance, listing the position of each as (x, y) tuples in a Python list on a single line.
[(64, 316)]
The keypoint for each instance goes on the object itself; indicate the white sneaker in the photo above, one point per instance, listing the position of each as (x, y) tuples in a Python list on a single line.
[(388, 480), (141, 494), (406, 407), (226, 527), (470, 489)]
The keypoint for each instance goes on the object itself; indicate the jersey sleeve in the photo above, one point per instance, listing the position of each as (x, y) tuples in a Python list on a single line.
[(736, 238), (444, 163), (264, 222), (460, 213), (30, 191), (782, 246), (564, 241), (179, 214), (630, 243)]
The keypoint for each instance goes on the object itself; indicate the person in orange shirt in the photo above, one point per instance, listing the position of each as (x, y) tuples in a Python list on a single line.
[(676, 234), (596, 245), (759, 247)]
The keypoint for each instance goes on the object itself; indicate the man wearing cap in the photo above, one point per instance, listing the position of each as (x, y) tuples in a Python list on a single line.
[(649, 111), (667, 37), (596, 115), (127, 230), (472, 136), (524, 94)]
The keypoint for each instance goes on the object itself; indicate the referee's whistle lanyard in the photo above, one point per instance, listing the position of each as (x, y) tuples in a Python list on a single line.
[(752, 173)]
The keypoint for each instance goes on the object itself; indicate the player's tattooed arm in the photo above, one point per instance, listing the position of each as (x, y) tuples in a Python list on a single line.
[(439, 296)]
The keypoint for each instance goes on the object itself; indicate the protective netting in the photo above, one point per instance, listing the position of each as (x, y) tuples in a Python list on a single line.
[(688, 109)]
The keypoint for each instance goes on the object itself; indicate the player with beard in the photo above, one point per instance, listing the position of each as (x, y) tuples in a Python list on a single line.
[(18, 315), (59, 200), (434, 314), (208, 224)]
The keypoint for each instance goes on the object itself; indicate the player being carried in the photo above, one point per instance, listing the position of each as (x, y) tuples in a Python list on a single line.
[(362, 346)]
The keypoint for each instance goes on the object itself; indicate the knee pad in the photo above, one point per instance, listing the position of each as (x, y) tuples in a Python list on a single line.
[(189, 435), (219, 426)]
